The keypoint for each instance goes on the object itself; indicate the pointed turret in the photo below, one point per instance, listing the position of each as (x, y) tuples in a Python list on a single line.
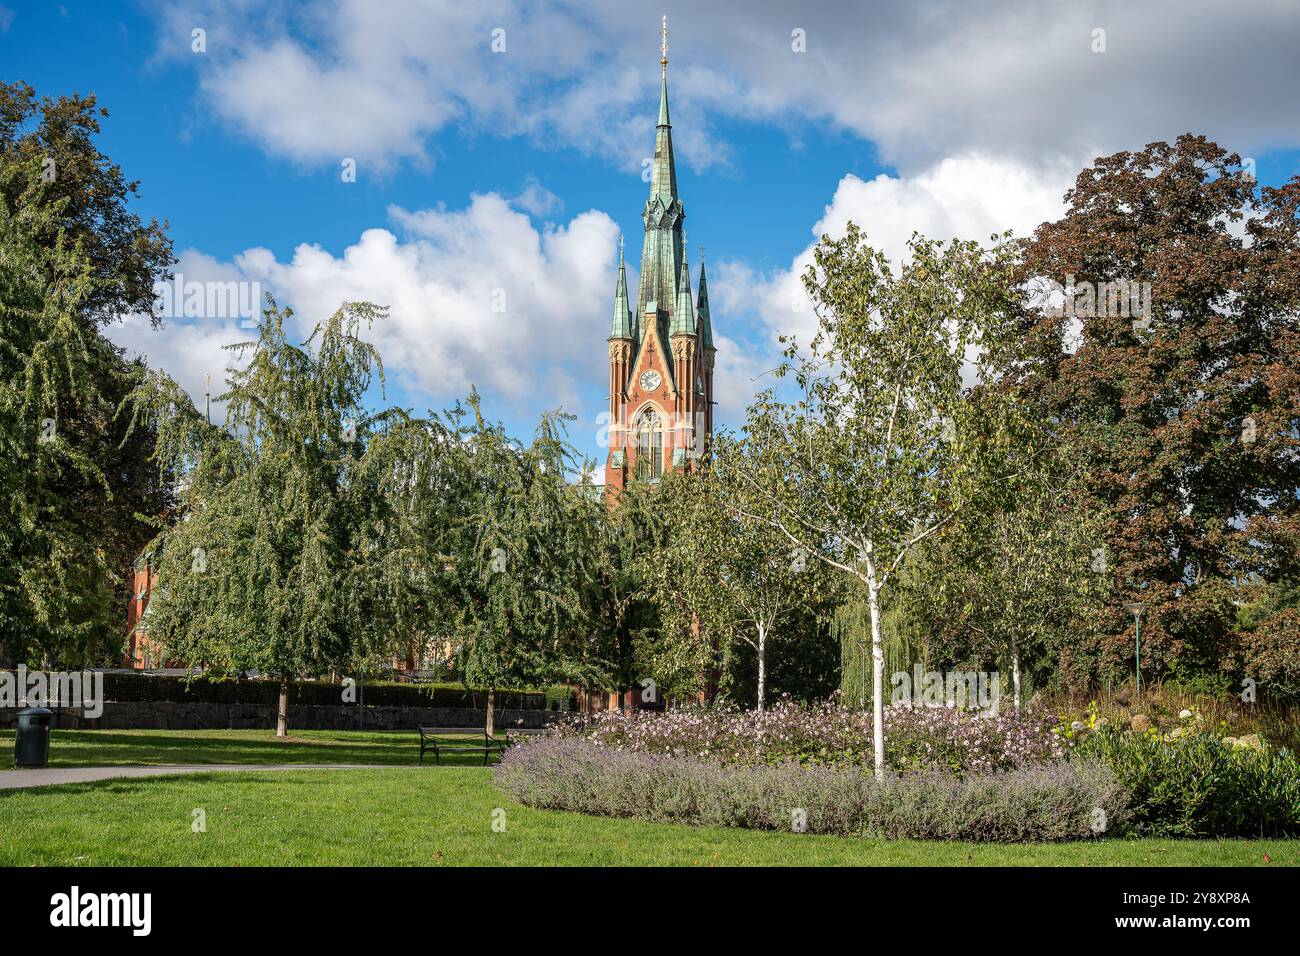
[(702, 312), (683, 308), (622, 324)]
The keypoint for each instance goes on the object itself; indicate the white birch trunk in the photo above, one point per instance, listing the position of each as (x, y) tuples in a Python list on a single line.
[(762, 664), (877, 672), (1015, 673)]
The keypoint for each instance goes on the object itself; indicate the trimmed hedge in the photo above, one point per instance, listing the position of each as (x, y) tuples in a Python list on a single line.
[(151, 687), (1198, 786), (1062, 801)]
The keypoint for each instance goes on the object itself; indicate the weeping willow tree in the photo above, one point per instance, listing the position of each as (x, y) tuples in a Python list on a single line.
[(72, 489), (54, 576), (275, 564), (520, 558)]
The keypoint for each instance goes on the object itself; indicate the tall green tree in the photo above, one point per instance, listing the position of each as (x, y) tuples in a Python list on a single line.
[(724, 575), (1012, 581), (55, 575), (621, 612), (79, 493), (269, 567), (51, 141), (521, 557), (885, 444), (1182, 401), (681, 652)]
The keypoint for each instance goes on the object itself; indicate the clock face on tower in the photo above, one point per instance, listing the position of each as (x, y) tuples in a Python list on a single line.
[(649, 380)]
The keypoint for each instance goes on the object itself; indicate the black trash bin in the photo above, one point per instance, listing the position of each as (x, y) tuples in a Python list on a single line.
[(32, 740)]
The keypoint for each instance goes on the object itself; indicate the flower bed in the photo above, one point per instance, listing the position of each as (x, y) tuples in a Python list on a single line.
[(1061, 801), (952, 775), (829, 735)]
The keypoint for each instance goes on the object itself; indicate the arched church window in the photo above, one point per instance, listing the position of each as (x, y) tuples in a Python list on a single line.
[(649, 446)]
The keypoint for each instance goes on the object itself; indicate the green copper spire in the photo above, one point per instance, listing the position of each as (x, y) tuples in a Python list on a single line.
[(662, 253), (663, 175), (622, 326), (683, 308), (702, 311)]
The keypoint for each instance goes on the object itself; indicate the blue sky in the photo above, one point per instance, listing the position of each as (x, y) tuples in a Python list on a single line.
[(480, 170)]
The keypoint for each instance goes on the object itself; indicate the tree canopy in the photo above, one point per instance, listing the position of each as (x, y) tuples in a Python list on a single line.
[(1183, 404), (269, 566), (888, 441), (78, 492)]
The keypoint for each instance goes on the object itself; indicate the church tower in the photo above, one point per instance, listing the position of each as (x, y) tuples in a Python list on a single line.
[(661, 352)]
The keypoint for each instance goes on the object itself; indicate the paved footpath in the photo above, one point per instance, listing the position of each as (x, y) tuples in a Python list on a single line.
[(49, 776)]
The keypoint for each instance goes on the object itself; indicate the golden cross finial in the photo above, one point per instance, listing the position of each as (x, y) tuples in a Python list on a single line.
[(663, 44)]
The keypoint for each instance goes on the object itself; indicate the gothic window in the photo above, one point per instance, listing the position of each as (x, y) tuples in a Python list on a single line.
[(649, 446)]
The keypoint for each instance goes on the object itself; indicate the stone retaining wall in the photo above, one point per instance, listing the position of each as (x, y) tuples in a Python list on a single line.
[(169, 715)]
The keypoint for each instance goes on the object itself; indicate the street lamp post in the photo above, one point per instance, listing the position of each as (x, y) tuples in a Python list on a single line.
[(1135, 608)]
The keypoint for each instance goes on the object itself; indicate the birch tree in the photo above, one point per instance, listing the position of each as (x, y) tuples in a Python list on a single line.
[(891, 434), (1008, 581), (738, 576)]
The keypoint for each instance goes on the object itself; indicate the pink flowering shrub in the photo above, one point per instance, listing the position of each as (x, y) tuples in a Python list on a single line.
[(829, 735)]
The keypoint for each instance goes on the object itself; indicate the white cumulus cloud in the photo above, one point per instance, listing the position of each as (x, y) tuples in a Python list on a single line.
[(968, 197), (922, 81), (478, 296)]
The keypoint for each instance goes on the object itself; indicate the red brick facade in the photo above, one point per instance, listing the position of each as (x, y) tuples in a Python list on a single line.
[(141, 653)]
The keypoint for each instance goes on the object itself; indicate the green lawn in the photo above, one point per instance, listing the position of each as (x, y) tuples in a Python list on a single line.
[(444, 815), (80, 748), (433, 816)]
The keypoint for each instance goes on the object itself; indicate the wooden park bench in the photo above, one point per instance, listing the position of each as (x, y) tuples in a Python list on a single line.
[(480, 742)]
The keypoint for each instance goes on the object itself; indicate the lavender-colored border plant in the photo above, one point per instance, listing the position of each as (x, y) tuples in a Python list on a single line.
[(1060, 801)]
